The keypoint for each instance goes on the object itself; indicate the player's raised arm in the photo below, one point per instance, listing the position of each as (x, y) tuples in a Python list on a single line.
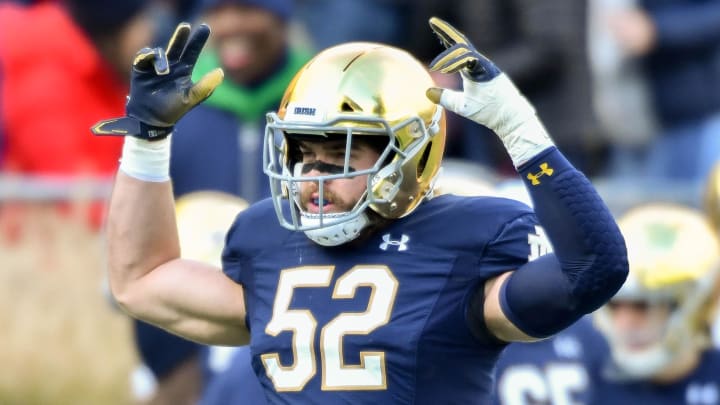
[(589, 265), (147, 276)]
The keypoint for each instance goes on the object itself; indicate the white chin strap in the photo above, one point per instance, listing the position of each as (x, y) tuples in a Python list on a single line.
[(336, 234)]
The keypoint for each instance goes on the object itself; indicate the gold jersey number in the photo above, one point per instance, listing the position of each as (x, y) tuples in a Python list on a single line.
[(370, 374)]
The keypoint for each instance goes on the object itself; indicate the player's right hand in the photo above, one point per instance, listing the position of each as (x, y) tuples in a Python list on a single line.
[(161, 88)]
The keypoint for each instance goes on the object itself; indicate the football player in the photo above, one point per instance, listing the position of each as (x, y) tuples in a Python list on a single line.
[(237, 384), (352, 283), (552, 371), (711, 197), (658, 324), (203, 218), (711, 207), (202, 221)]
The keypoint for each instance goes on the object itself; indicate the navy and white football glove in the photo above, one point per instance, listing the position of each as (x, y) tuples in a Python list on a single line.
[(161, 88), (488, 97)]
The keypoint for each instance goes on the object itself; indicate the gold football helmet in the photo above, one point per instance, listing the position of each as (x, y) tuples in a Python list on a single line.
[(203, 219), (712, 196), (347, 91), (673, 254)]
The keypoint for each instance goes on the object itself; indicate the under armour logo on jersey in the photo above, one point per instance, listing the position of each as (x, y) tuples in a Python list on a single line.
[(401, 244), (545, 170)]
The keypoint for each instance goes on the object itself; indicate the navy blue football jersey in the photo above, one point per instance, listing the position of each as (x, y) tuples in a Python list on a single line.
[(236, 384), (701, 387), (384, 321), (551, 371)]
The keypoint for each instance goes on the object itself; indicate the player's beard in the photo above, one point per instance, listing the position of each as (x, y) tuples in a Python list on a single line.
[(376, 222), (336, 203)]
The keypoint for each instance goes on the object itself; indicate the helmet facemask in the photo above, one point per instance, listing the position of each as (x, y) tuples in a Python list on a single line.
[(384, 178), (346, 92)]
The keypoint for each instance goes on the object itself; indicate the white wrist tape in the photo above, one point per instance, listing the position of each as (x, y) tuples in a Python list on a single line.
[(145, 160), (498, 105)]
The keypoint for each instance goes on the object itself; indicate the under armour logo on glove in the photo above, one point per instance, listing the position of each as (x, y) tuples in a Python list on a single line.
[(400, 244)]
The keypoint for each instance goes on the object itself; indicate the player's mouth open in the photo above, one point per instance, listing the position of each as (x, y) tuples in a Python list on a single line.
[(313, 205)]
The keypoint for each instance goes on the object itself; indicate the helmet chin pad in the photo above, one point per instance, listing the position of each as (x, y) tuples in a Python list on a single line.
[(335, 234)]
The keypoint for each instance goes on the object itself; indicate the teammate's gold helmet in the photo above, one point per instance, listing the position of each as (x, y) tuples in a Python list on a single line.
[(712, 196), (203, 219), (673, 254), (351, 90)]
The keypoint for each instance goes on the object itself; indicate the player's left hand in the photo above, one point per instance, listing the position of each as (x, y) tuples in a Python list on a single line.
[(488, 97), (460, 55), (161, 88)]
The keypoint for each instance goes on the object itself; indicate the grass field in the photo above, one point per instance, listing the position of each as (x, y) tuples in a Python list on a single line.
[(61, 341)]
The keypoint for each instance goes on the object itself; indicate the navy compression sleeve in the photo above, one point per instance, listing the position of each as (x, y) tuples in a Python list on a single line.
[(589, 263)]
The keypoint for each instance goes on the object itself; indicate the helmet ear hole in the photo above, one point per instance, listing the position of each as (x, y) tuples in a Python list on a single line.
[(423, 160), (346, 107)]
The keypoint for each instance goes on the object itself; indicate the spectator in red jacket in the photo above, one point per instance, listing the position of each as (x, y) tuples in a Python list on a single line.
[(65, 66)]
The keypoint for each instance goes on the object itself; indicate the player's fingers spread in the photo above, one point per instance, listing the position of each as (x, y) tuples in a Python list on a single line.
[(440, 60), (437, 25), (446, 32), (461, 62), (177, 42), (162, 67), (144, 59), (195, 44), (449, 55), (205, 86)]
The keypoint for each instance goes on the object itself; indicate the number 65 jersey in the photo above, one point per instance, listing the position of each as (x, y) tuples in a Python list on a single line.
[(387, 321)]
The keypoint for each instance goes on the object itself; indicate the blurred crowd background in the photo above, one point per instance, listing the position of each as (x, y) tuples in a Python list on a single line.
[(628, 89)]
